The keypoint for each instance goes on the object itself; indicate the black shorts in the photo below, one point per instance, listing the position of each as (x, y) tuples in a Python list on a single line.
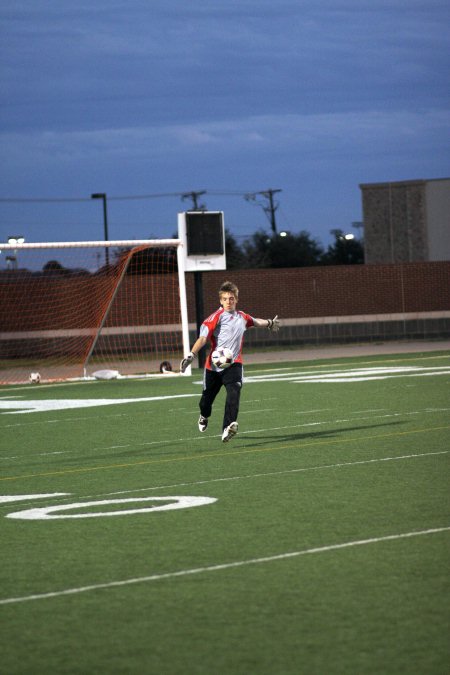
[(212, 378)]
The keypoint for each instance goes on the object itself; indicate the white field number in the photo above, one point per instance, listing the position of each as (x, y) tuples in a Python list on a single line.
[(59, 511)]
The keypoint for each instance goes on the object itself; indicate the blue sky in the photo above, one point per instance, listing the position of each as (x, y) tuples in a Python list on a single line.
[(160, 97)]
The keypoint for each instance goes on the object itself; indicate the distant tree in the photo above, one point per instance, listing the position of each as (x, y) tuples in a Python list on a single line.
[(291, 250), (344, 251), (54, 267), (235, 256), (257, 250), (299, 250)]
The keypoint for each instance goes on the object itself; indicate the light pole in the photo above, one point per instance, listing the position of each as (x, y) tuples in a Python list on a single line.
[(11, 262), (14, 240), (102, 196)]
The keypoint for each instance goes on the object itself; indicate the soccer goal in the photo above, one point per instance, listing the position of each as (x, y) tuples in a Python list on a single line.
[(69, 310)]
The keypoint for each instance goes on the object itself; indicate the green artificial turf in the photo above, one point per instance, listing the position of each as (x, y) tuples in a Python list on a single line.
[(325, 551)]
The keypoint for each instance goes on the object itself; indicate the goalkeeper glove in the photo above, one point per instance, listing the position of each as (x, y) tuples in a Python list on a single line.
[(274, 324), (186, 362)]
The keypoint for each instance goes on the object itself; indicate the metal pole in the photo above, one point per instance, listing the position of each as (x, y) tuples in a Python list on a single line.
[(199, 312), (183, 303), (102, 196), (105, 226)]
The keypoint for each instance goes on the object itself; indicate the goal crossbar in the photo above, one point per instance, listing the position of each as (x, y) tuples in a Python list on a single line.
[(161, 243)]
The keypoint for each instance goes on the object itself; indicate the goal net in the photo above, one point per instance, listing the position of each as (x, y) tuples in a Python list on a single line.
[(69, 310)]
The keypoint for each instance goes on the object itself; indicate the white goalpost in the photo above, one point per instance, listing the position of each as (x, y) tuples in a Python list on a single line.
[(69, 309)]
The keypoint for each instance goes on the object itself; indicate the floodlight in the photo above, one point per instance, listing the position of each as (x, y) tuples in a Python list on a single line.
[(15, 240)]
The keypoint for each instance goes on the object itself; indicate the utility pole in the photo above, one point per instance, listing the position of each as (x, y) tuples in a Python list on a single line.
[(194, 196), (270, 208)]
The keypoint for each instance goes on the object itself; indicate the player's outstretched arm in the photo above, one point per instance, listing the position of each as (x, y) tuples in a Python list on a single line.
[(192, 354), (272, 324)]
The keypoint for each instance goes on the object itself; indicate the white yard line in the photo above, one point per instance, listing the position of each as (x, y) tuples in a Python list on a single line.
[(320, 467), (246, 432), (250, 476), (222, 566)]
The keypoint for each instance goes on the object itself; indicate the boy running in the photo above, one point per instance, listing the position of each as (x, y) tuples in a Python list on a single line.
[(224, 328)]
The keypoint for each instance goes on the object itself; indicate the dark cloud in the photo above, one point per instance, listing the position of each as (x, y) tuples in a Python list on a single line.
[(311, 97)]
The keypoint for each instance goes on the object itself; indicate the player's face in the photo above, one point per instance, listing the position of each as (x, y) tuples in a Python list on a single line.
[(228, 301)]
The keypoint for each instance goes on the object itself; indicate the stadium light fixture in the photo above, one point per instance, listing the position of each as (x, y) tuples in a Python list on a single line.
[(16, 240)]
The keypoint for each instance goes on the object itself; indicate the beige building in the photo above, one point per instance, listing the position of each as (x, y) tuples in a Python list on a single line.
[(407, 221)]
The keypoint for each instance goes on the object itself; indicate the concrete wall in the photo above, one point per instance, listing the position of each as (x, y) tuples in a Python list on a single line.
[(406, 221), (394, 222), (438, 219)]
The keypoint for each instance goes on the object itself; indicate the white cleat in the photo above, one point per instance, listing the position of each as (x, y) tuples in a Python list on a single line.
[(229, 432), (202, 423)]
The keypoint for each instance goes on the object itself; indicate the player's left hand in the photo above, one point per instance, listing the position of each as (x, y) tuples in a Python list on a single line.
[(186, 362), (274, 324)]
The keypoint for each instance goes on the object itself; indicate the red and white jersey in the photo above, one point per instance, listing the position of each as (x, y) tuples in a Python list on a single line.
[(226, 329)]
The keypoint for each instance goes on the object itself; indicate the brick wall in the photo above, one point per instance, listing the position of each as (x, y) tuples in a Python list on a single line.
[(332, 291), (369, 293), (356, 303)]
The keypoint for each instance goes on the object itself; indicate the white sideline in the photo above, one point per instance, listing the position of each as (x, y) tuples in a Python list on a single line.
[(285, 472), (225, 479), (224, 566)]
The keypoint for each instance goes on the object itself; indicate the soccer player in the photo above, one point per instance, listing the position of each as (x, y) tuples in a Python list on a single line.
[(224, 328)]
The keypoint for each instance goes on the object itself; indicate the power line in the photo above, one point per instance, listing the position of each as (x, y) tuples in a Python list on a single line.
[(269, 209), (22, 200), (183, 195), (45, 200)]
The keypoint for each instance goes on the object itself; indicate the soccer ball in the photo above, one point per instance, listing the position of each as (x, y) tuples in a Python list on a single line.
[(165, 367), (222, 358), (35, 378)]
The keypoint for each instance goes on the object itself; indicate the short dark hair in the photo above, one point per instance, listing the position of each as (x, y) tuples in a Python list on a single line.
[(229, 287)]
